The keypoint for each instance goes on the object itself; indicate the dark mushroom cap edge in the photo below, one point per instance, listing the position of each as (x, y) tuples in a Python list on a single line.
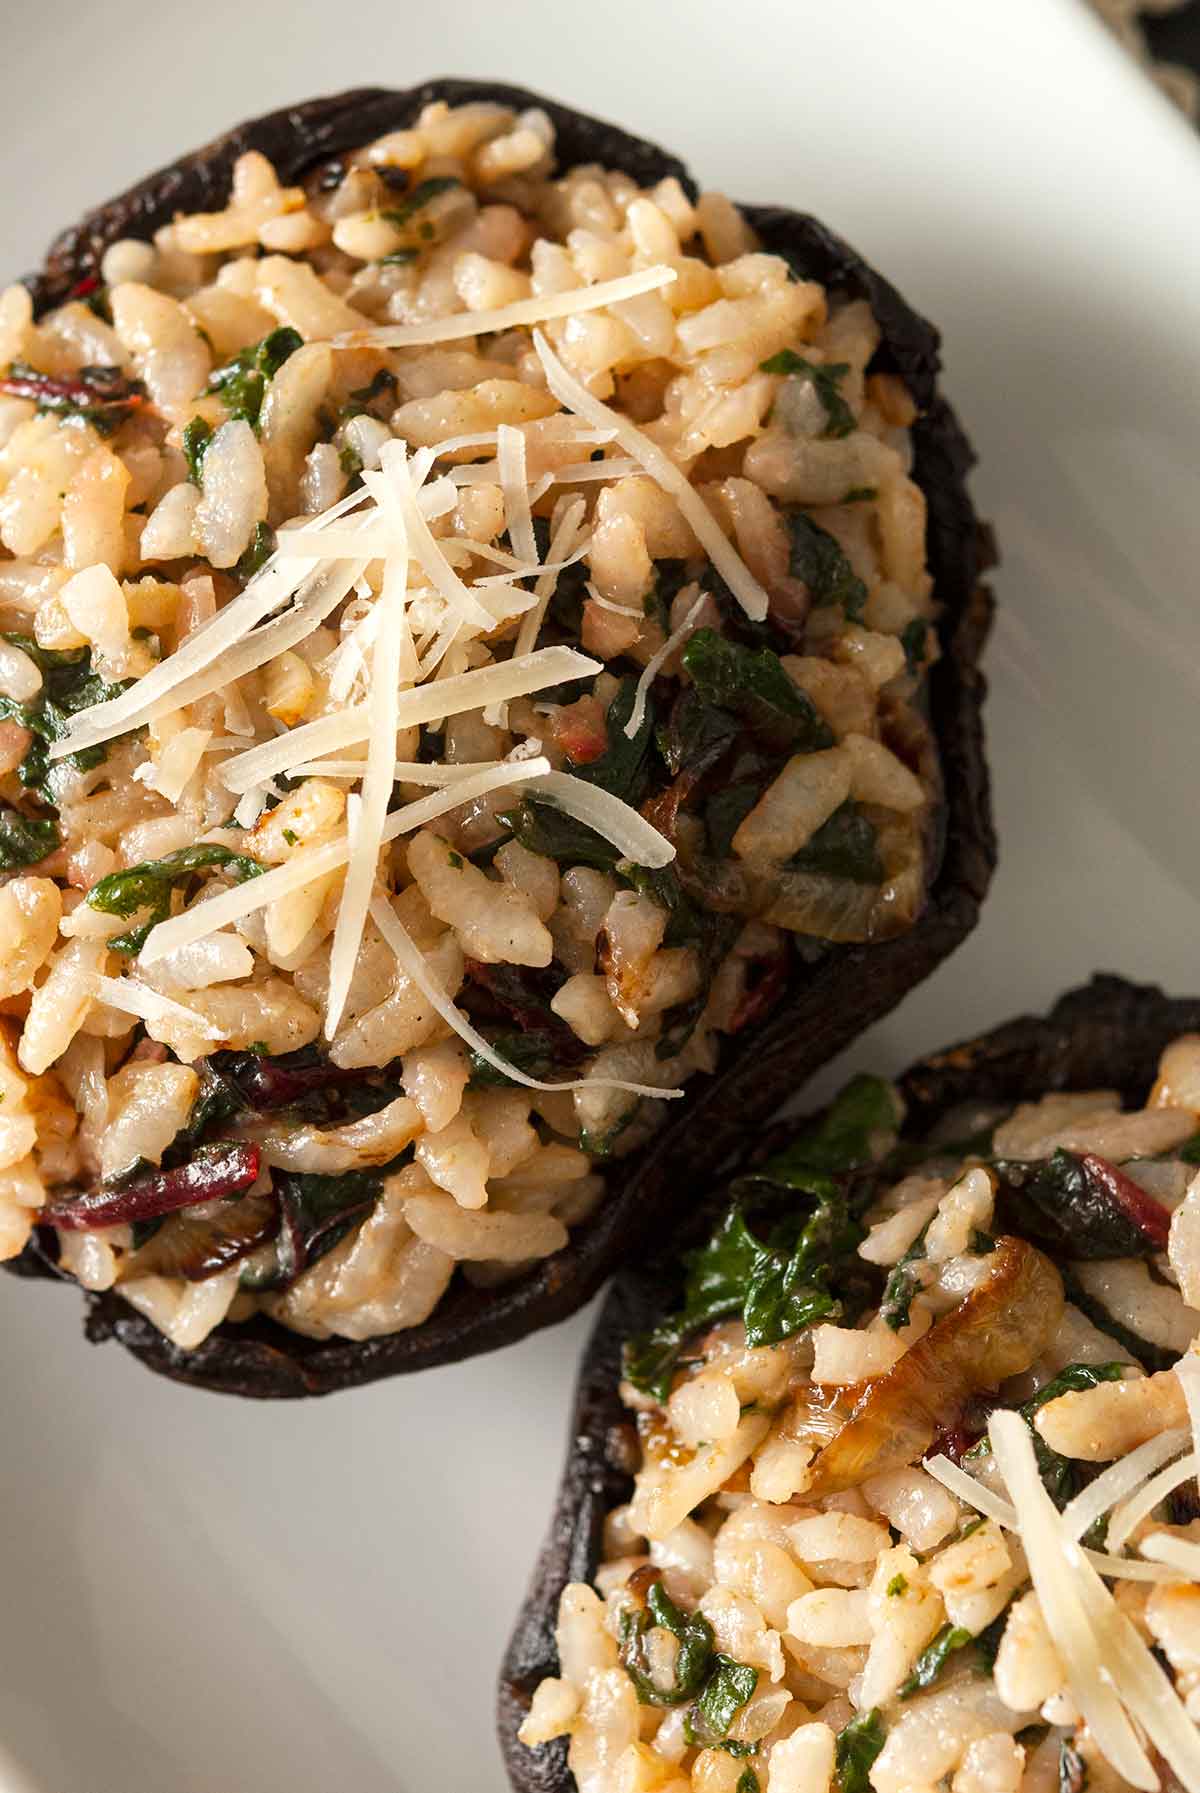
[(827, 1004), (1105, 1035)]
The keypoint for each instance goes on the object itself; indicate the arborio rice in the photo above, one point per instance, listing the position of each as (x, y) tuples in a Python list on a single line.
[(463, 637), (942, 1533)]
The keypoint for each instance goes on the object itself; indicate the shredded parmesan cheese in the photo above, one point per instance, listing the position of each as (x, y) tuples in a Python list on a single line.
[(138, 999), (211, 913), (1147, 1498), (1120, 1480), (509, 317), (618, 822), (510, 458), (412, 962), (663, 471), (519, 677), (650, 670)]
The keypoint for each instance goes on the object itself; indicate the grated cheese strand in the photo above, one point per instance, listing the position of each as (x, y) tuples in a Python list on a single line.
[(208, 914), (366, 834), (1177, 1553), (1057, 1571), (514, 484), (663, 471), (521, 676), (412, 962), (523, 312), (650, 670), (1136, 1508), (1120, 1480), (148, 1005), (631, 834), (562, 541)]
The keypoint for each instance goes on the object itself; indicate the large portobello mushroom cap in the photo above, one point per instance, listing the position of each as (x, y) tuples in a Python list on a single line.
[(1108, 1034), (827, 1002)]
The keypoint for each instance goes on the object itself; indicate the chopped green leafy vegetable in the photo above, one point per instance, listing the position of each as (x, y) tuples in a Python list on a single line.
[(820, 561), (68, 685), (319, 1210), (913, 637), (242, 382), (1059, 1474), (932, 1660), (725, 812), (846, 846), (752, 684), (384, 383), (622, 768), (537, 1051), (695, 1637), (24, 840), (256, 556), (987, 1641), (543, 828), (196, 437), (722, 1697), (858, 1744), (778, 1287), (404, 214), (696, 735), (149, 886), (1081, 1204), (101, 396), (854, 1130), (826, 379), (748, 1782), (903, 1283)]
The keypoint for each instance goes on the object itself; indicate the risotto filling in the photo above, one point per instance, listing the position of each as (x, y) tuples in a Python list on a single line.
[(916, 1498), (463, 636)]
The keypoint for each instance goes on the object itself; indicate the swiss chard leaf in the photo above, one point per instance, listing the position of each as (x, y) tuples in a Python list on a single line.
[(68, 685), (728, 1687), (826, 379), (696, 735), (933, 1657), (149, 886), (101, 396), (1081, 1204), (256, 556), (903, 1284), (196, 437), (752, 685), (1060, 1475), (539, 1052), (405, 214), (777, 1285), (854, 1130), (24, 840), (820, 562), (692, 1663), (725, 812), (543, 828), (317, 1211), (846, 846), (623, 767), (748, 1782), (242, 382), (858, 1744)]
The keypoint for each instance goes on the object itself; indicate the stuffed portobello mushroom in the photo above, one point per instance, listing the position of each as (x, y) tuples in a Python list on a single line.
[(489, 705), (886, 1479)]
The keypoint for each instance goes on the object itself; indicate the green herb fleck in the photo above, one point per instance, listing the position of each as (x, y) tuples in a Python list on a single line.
[(196, 438), (896, 1586), (24, 840), (722, 1697), (932, 1660), (695, 1637), (904, 1281), (858, 1744), (455, 860), (751, 683), (290, 836), (405, 214), (149, 886), (820, 561), (748, 1782), (825, 378), (242, 382), (256, 556), (913, 637), (860, 494)]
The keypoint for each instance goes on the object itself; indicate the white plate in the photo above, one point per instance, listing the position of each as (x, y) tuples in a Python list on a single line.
[(197, 1595)]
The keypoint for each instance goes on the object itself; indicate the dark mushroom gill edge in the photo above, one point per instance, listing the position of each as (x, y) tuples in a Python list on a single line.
[(827, 1004), (1105, 1035)]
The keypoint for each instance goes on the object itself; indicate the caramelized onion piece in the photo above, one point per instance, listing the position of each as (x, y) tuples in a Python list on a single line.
[(997, 1332)]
